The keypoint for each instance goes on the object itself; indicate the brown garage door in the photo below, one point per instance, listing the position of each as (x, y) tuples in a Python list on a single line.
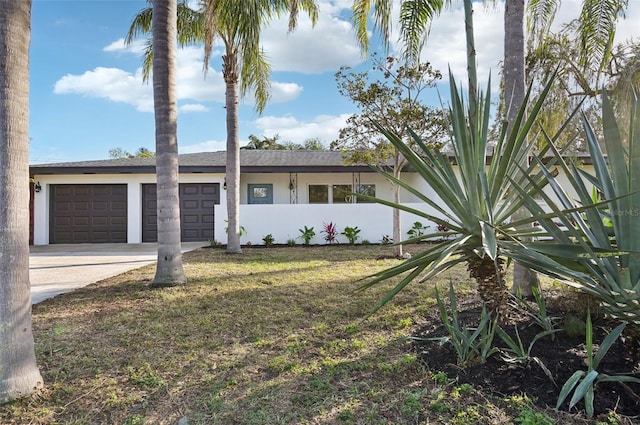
[(88, 213), (196, 211)]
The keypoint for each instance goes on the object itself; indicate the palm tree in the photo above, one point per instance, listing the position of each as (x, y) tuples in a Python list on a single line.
[(513, 96), (19, 374), (244, 66), (169, 269)]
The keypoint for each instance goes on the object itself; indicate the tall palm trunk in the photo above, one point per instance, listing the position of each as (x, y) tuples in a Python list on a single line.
[(231, 78), (169, 270), (19, 374), (514, 92)]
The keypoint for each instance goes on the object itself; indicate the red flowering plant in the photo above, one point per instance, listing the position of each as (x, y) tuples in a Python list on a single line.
[(330, 231)]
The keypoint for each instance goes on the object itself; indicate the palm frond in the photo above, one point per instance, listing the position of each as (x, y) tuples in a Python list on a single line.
[(415, 18), (596, 27), (540, 16), (141, 25)]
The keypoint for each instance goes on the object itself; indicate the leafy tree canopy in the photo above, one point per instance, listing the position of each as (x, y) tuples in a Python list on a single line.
[(390, 95), (119, 153), (271, 143), (578, 86)]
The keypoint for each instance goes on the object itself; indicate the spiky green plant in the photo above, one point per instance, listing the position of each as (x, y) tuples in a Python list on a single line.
[(477, 200), (601, 240), (582, 383)]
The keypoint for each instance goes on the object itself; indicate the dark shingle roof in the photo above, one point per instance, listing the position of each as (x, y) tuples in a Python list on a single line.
[(255, 161), (251, 161)]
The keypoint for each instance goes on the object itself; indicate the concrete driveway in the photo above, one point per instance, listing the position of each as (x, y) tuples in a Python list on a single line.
[(55, 269)]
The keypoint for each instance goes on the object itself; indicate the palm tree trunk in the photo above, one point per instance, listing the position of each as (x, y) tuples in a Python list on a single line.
[(19, 374), (169, 270), (230, 71), (514, 91)]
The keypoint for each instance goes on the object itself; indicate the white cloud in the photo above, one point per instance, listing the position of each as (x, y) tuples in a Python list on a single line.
[(207, 146), (307, 50), (193, 84), (447, 46), (108, 83), (324, 127), (628, 28), (312, 50), (137, 46), (284, 92), (192, 107), (122, 86)]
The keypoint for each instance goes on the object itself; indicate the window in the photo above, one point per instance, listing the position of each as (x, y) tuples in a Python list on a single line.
[(318, 194), (365, 189), (339, 193), (260, 194), (342, 194)]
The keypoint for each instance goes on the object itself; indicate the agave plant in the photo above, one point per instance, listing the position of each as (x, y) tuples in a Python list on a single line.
[(478, 200), (600, 245)]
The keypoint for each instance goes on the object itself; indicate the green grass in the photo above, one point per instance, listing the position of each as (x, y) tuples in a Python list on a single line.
[(274, 336)]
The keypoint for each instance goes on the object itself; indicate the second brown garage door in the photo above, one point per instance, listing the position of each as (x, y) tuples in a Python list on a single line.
[(197, 201)]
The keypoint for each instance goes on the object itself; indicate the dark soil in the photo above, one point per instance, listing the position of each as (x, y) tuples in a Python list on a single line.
[(561, 357)]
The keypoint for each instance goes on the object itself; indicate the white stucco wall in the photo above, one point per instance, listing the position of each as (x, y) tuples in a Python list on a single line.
[(281, 219), (285, 221)]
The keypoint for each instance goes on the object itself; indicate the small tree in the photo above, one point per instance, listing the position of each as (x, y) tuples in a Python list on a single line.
[(394, 100), (313, 144), (272, 143), (119, 153), (267, 143)]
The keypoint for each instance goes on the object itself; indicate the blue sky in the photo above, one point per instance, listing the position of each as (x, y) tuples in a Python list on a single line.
[(87, 94)]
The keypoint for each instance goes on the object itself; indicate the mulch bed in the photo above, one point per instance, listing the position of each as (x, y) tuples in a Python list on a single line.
[(561, 357)]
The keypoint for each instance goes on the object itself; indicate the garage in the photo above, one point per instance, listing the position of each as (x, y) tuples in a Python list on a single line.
[(88, 213), (197, 202)]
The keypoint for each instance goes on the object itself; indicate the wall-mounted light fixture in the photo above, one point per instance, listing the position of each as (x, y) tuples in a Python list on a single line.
[(37, 187), (224, 185)]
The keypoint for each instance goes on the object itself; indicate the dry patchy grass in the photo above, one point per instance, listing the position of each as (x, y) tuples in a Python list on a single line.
[(274, 336)]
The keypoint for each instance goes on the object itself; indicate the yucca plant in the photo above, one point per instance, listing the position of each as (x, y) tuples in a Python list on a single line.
[(601, 242), (469, 343), (478, 200), (582, 383)]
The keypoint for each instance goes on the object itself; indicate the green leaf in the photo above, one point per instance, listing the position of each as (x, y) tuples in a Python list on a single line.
[(568, 386), (583, 388), (618, 378), (607, 343), (588, 401), (489, 240)]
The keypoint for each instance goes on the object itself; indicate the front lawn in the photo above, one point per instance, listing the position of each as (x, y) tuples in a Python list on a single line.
[(274, 336)]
